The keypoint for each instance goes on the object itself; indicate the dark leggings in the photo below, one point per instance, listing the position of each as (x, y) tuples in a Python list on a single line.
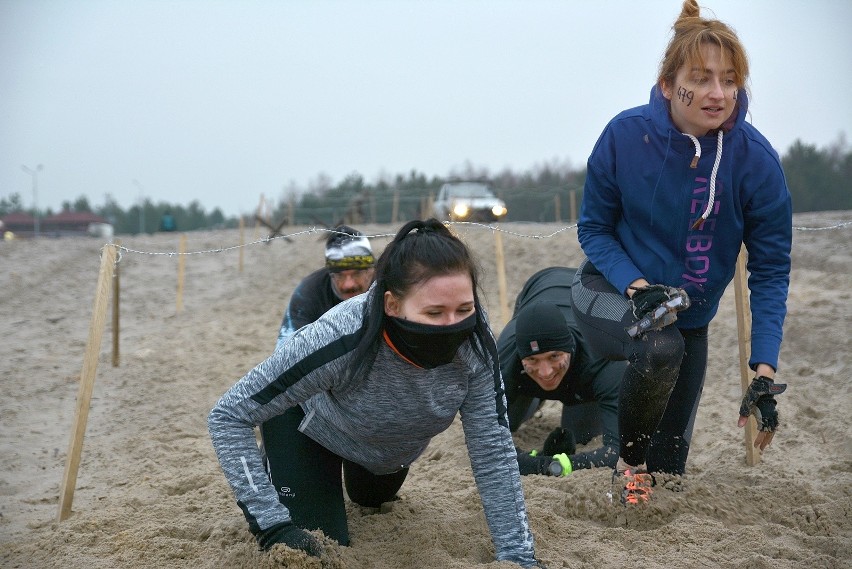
[(307, 478), (662, 383)]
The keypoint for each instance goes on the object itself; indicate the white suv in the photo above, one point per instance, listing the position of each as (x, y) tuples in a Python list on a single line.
[(468, 201)]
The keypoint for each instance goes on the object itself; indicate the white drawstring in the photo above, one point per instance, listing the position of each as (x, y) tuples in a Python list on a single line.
[(694, 163), (712, 198)]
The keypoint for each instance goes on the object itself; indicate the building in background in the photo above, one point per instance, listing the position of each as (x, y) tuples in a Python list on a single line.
[(63, 224)]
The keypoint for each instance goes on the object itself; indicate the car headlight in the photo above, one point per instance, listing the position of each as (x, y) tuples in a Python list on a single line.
[(461, 210), (499, 210)]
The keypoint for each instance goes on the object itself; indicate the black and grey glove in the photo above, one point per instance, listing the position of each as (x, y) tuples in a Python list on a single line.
[(759, 401), (560, 441), (288, 534), (647, 298), (655, 307)]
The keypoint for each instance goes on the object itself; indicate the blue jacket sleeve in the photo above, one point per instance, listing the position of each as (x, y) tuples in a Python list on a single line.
[(768, 228)]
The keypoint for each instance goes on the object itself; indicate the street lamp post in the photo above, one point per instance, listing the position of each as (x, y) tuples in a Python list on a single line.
[(34, 174)]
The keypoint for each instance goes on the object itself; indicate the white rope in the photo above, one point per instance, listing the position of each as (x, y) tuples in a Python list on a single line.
[(712, 198), (473, 225)]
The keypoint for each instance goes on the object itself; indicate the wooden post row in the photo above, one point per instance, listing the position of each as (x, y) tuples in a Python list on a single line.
[(87, 382)]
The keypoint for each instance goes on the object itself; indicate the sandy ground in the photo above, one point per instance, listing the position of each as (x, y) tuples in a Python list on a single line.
[(150, 493)]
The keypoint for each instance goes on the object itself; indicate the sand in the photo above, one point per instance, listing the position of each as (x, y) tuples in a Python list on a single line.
[(150, 493)]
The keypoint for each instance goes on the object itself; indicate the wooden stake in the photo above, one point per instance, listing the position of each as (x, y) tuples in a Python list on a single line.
[(573, 205), (242, 241), (501, 277), (557, 207), (395, 207), (87, 382), (744, 334), (259, 215), (116, 311), (181, 268)]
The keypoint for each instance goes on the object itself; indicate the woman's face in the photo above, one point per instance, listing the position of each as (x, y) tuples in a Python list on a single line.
[(439, 301), (702, 97)]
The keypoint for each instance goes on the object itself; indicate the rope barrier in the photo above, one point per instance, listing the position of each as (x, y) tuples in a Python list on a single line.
[(835, 226), (316, 230)]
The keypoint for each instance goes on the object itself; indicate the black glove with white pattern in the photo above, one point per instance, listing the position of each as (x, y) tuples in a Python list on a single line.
[(759, 401)]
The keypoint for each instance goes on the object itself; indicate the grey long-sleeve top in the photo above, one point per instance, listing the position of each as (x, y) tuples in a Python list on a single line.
[(382, 419)]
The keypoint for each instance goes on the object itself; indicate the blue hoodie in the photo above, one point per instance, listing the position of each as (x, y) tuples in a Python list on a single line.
[(642, 199)]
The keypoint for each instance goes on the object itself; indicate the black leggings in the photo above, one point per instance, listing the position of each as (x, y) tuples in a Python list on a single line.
[(307, 477), (662, 383)]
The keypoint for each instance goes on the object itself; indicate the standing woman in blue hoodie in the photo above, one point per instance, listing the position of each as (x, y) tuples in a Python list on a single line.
[(673, 189)]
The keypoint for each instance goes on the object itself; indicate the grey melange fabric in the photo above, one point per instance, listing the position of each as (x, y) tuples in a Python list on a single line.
[(382, 420)]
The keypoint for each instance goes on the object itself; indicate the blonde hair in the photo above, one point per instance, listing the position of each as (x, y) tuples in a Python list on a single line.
[(691, 32)]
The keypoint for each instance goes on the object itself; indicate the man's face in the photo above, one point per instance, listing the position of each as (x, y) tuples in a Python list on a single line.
[(547, 368), (351, 282)]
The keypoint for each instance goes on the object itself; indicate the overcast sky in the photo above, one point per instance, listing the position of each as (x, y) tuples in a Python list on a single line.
[(221, 101)]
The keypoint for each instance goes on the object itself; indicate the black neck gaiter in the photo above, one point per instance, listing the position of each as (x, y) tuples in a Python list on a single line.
[(427, 345)]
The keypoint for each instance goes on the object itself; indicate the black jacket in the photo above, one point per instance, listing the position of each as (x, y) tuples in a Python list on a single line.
[(588, 378)]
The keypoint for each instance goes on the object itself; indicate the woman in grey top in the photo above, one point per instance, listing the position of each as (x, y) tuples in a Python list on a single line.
[(357, 395)]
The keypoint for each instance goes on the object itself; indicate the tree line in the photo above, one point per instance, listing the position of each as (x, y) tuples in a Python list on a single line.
[(818, 178)]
